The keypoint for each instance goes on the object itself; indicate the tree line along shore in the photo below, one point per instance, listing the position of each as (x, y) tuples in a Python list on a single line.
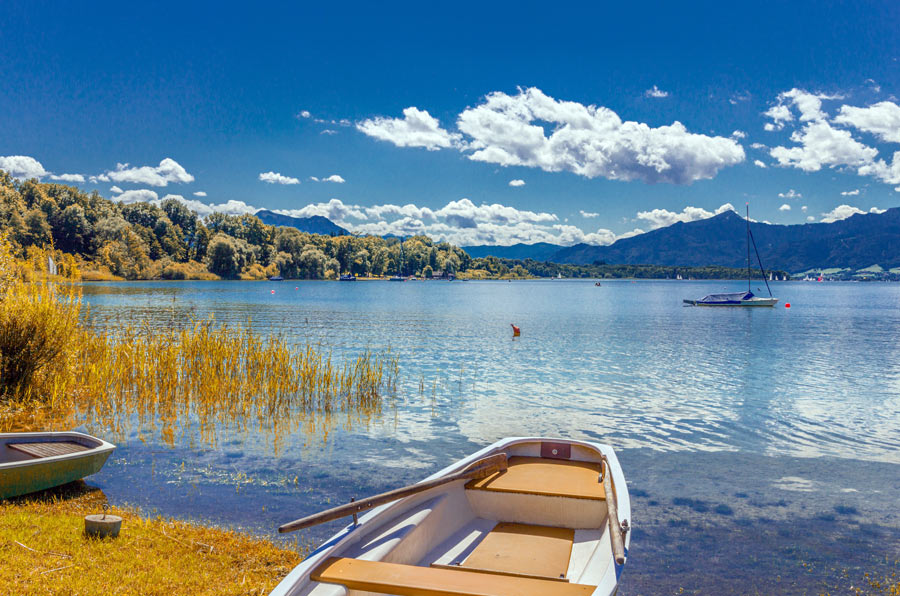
[(108, 240)]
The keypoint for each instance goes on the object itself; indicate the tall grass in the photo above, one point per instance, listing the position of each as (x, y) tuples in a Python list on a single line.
[(56, 371)]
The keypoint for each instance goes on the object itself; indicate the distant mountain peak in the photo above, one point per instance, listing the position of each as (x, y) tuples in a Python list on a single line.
[(314, 224)]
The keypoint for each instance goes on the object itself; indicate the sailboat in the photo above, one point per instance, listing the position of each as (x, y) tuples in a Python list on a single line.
[(747, 298)]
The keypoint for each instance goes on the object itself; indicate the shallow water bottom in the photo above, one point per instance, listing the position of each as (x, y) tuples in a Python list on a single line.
[(704, 523)]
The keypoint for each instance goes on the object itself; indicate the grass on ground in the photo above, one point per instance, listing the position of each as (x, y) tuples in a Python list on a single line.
[(43, 550)]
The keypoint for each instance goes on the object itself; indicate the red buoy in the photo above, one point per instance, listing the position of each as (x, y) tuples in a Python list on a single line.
[(787, 304), (273, 291), (516, 330)]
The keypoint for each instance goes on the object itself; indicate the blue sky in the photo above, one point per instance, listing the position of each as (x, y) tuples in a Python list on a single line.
[(578, 103)]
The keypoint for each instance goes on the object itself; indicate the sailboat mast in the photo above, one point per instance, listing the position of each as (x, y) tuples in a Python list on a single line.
[(748, 247)]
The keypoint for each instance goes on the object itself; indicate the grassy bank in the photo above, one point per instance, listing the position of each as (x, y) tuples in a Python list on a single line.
[(43, 551)]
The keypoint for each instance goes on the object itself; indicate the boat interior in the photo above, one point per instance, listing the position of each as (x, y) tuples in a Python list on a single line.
[(538, 528), (29, 446)]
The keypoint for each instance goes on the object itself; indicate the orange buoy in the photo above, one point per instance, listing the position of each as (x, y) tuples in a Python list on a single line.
[(516, 330)]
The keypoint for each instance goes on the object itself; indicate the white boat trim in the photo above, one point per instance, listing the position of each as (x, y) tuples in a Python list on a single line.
[(296, 583)]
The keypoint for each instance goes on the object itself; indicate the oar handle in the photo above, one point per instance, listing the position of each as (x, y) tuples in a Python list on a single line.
[(478, 469), (617, 536)]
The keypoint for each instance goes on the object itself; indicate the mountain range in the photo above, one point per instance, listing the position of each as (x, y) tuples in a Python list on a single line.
[(315, 224), (856, 242)]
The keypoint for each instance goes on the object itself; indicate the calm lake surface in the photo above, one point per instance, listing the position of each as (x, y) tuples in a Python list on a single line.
[(761, 446)]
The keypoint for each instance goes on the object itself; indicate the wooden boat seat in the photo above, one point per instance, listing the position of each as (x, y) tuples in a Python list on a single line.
[(522, 550), (410, 580), (49, 448), (547, 477)]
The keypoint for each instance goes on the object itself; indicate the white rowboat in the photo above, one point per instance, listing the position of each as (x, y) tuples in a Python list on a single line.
[(553, 522), (30, 462)]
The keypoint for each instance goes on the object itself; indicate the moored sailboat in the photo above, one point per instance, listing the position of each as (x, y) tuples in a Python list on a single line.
[(747, 298)]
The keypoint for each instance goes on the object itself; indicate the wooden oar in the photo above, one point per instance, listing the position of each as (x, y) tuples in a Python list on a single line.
[(615, 528), (479, 469)]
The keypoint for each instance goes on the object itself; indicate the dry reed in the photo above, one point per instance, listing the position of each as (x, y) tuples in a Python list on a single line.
[(208, 375)]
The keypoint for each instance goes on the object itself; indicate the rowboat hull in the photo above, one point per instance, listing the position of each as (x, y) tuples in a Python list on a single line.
[(30, 462), (437, 540)]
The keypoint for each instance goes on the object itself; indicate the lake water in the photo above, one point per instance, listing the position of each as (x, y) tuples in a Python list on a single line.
[(761, 446)]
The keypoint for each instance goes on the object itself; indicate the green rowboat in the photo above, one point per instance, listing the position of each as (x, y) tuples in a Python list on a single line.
[(30, 462)]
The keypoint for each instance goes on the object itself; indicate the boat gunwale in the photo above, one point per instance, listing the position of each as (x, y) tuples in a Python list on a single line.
[(345, 536), (99, 447)]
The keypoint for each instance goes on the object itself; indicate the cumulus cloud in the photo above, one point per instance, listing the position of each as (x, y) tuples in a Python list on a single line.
[(819, 143), (881, 119), (659, 218), (332, 178), (844, 211), (804, 208), (276, 178), (791, 194), (328, 131), (810, 218), (200, 193), (115, 189), (656, 92), (334, 209), (758, 146), (304, 114), (417, 128), (785, 207), (588, 214), (590, 141), (67, 177), (143, 195), (758, 163), (739, 134), (167, 171), (517, 182), (850, 193), (22, 167)]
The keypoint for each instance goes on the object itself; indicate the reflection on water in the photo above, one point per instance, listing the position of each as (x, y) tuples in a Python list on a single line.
[(795, 406)]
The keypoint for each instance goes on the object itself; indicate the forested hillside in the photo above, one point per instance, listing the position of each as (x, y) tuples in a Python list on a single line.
[(146, 241)]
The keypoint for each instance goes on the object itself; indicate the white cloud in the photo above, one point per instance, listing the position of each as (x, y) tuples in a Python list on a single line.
[(417, 128), (881, 119), (810, 218), (276, 178), (67, 177), (791, 194), (304, 114), (334, 178), (758, 146), (785, 207), (328, 131), (804, 208), (656, 92), (200, 193), (22, 167), (590, 141), (335, 210), (517, 182), (588, 214), (659, 218), (136, 196), (844, 211), (820, 145), (739, 134), (758, 163), (850, 193), (115, 189), (167, 171)]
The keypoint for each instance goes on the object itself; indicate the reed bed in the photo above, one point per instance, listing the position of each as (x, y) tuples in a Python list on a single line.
[(57, 371)]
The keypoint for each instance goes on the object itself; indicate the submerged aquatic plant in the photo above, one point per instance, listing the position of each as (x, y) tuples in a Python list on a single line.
[(205, 375)]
